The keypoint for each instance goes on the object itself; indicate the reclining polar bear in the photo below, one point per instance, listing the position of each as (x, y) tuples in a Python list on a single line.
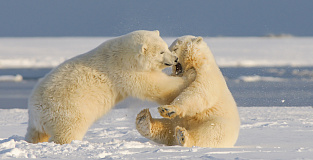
[(205, 113)]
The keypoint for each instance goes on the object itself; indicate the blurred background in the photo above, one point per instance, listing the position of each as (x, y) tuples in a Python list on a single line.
[(264, 48), (38, 18)]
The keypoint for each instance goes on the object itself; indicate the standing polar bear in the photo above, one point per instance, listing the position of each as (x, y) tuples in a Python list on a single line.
[(205, 113), (71, 97)]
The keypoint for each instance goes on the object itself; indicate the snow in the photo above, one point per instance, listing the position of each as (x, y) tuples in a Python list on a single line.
[(228, 51), (262, 51), (266, 133), (42, 52), (16, 78), (260, 78), (269, 132)]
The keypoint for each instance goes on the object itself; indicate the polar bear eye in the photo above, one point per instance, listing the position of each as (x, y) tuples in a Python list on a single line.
[(175, 49), (161, 52)]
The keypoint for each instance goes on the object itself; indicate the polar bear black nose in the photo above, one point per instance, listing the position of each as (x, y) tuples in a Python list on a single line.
[(176, 60)]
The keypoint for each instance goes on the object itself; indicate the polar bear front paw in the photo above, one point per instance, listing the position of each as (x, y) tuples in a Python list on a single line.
[(168, 111), (181, 135), (143, 123)]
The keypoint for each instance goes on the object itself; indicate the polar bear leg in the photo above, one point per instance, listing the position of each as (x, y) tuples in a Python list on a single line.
[(69, 129), (67, 136), (206, 134), (183, 138), (169, 111), (157, 130), (34, 136), (143, 123)]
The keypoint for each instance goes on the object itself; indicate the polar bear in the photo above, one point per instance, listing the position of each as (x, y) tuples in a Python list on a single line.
[(71, 97), (205, 113)]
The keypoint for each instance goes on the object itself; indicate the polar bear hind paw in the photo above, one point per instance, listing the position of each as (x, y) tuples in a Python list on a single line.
[(168, 111), (181, 135), (143, 123)]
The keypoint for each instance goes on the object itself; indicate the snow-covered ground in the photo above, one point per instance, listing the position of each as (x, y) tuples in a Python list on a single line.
[(259, 71), (266, 133)]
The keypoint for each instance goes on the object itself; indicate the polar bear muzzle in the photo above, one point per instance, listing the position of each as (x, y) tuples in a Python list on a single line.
[(178, 69), (174, 63)]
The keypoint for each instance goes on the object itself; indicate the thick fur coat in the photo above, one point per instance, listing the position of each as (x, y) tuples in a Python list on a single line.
[(205, 113), (71, 97)]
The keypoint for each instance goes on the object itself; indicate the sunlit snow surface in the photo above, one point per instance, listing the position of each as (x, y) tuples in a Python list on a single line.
[(259, 72), (266, 133)]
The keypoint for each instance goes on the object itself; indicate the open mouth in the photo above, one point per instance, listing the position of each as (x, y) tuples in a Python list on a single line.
[(178, 69)]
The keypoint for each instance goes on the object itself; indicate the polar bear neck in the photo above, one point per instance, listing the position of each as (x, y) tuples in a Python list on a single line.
[(210, 68), (210, 73), (113, 56)]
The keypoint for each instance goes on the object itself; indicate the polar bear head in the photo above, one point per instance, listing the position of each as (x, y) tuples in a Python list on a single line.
[(191, 51), (154, 52), (146, 49)]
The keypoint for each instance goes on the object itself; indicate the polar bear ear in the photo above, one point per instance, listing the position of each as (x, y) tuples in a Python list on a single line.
[(179, 42), (142, 48), (157, 32), (198, 40)]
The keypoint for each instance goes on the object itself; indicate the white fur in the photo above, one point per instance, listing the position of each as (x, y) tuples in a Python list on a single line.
[(71, 97), (205, 113)]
